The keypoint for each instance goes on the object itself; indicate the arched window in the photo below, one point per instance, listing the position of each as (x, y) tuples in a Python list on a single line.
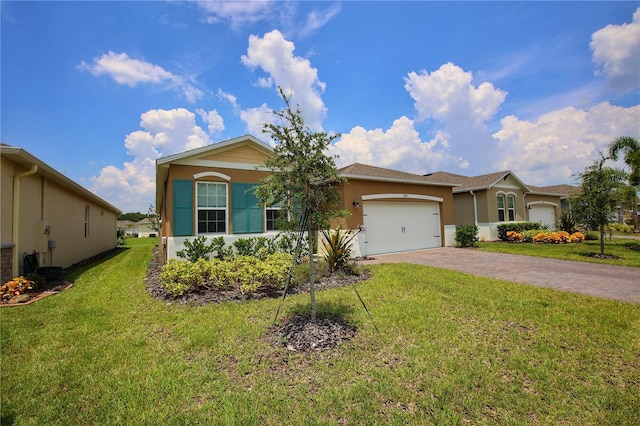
[(506, 207)]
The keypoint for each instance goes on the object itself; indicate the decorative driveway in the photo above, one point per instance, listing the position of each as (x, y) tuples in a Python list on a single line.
[(593, 279)]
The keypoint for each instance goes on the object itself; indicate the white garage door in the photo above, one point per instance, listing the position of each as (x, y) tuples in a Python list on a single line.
[(393, 227), (543, 214)]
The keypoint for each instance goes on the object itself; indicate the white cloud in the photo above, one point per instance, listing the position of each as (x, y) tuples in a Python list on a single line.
[(237, 13), (448, 95), (317, 19), (562, 142), (274, 54), (131, 187), (131, 72), (255, 118), (398, 148), (214, 120), (616, 53)]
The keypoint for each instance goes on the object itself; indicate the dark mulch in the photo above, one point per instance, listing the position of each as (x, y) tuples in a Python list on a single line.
[(301, 334), (298, 333)]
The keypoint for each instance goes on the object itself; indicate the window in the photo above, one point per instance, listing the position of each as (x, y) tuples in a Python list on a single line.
[(86, 221), (511, 207), (272, 218), (212, 208), (501, 215)]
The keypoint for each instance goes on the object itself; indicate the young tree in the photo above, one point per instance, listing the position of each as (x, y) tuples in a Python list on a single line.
[(304, 180), (630, 147), (598, 197)]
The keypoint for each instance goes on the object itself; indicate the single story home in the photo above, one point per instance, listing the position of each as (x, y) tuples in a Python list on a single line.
[(208, 191), (491, 199), (144, 228), (47, 214)]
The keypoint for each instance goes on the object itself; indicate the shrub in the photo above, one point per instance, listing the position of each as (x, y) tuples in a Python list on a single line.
[(337, 244), (619, 227), (519, 227), (252, 274), (16, 287), (198, 249), (466, 235), (557, 237), (566, 222), (527, 236), (514, 237)]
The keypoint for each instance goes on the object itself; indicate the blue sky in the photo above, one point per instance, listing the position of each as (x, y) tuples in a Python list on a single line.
[(99, 90)]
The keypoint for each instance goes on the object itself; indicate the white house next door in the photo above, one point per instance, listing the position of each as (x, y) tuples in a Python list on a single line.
[(401, 226)]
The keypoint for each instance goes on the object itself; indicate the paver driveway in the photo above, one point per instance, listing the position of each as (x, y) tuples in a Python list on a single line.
[(593, 279)]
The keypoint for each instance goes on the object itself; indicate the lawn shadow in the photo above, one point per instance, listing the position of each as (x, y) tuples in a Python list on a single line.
[(74, 271)]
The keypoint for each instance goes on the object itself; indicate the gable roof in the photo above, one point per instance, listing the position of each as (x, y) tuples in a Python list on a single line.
[(216, 147), (475, 183), (162, 163), (557, 190), (366, 172), (25, 159)]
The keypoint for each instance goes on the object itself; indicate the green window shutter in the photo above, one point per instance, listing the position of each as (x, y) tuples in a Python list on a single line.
[(182, 207), (246, 210)]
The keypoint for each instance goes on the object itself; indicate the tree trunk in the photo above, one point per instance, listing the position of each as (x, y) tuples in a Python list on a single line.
[(601, 239), (312, 286)]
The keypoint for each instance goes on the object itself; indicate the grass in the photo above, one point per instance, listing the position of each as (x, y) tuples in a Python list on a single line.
[(619, 247), (452, 349)]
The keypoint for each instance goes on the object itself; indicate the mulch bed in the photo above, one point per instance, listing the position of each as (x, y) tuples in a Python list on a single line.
[(297, 334)]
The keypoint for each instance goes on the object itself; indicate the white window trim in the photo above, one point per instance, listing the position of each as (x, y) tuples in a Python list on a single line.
[(226, 208), (506, 208)]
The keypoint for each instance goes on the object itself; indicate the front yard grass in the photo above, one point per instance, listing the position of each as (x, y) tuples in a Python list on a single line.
[(452, 349), (620, 247)]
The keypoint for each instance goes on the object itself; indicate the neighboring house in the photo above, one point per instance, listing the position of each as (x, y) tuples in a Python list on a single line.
[(495, 198), (142, 229), (46, 213), (208, 191)]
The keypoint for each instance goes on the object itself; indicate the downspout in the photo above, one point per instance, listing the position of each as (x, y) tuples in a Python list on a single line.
[(16, 216), (526, 210), (475, 208)]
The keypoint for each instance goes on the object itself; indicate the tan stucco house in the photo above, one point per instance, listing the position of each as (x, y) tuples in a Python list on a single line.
[(491, 199), (44, 212), (207, 191)]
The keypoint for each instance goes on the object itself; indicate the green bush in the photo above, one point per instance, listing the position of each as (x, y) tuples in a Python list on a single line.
[(566, 222), (198, 249), (337, 244), (302, 271), (527, 236), (248, 272), (466, 235), (519, 227), (619, 227)]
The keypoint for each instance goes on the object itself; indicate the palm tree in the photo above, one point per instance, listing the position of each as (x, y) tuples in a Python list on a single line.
[(630, 147)]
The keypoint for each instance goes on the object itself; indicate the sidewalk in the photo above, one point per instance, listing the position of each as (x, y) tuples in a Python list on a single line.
[(593, 279)]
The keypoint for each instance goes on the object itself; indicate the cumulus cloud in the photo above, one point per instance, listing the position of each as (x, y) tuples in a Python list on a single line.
[(458, 109), (275, 56), (132, 186), (255, 118), (131, 72), (561, 143), (399, 147), (215, 122), (616, 53)]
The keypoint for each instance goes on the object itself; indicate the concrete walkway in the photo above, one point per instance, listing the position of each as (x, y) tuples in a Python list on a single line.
[(593, 279)]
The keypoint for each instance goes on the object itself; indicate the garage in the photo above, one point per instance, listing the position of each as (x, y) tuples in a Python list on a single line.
[(543, 214), (393, 226)]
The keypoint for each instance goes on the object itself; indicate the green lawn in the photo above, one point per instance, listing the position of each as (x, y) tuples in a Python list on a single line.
[(579, 252), (452, 349)]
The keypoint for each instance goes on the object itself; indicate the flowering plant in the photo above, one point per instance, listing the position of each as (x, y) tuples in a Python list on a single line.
[(514, 237), (15, 287)]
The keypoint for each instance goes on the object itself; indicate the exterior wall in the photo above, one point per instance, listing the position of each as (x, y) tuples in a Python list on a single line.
[(48, 211), (65, 215), (187, 173), (463, 209)]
